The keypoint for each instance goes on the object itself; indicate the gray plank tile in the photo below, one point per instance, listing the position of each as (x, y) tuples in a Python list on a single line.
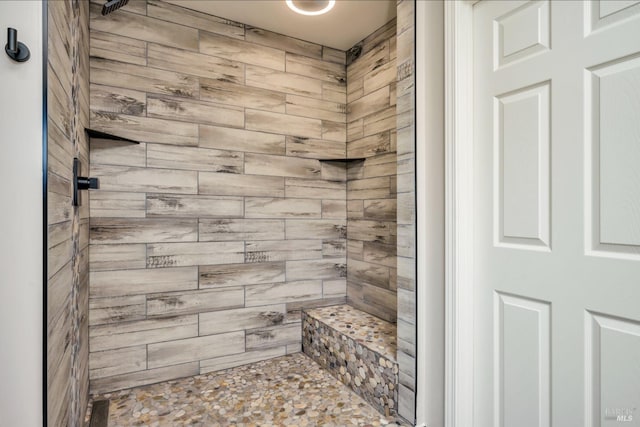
[(144, 28), (240, 229), (226, 362), (241, 274), (255, 207), (145, 129), (242, 318), (138, 230), (117, 309), (136, 282), (283, 124), (117, 204), (194, 302), (264, 164), (162, 255), (222, 91), (279, 41), (241, 51), (191, 18), (195, 349), (327, 268), (282, 250), (241, 140), (130, 334), (266, 78), (224, 184), (274, 336), (192, 158), (139, 179), (176, 205)]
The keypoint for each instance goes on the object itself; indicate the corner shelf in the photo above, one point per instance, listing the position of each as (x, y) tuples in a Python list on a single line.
[(355, 159), (102, 135)]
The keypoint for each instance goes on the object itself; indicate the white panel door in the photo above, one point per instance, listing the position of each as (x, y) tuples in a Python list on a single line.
[(557, 221), (21, 220)]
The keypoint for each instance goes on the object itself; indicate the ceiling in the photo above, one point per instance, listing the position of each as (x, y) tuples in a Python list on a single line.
[(345, 25)]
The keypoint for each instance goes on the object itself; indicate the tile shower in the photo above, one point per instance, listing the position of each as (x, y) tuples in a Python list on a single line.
[(272, 177)]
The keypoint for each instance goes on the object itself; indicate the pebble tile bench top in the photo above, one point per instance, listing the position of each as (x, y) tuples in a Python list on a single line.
[(285, 391), (365, 329), (356, 348)]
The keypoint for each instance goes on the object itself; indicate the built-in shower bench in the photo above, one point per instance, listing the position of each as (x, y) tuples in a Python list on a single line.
[(358, 349)]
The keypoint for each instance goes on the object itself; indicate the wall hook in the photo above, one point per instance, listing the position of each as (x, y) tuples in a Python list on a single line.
[(17, 51)]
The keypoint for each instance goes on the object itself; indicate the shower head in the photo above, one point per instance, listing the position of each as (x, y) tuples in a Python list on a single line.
[(112, 5)]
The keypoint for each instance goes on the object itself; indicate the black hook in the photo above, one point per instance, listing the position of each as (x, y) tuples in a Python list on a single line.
[(17, 51)]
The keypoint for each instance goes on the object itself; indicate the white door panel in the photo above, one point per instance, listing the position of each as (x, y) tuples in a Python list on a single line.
[(557, 227)]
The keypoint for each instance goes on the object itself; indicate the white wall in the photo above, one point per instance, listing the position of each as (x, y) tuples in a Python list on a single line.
[(430, 211), (21, 220)]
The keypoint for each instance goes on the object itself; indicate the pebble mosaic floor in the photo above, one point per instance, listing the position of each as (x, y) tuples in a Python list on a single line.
[(285, 391), (368, 330)]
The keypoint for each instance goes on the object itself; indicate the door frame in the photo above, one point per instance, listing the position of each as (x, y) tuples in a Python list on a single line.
[(459, 220)]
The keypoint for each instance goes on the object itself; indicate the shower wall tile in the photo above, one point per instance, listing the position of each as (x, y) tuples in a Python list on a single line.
[(117, 204), (255, 207), (191, 18), (112, 283), (283, 82), (107, 152), (118, 361), (114, 257), (314, 148), (209, 237), (406, 211), (257, 295), (192, 302), (67, 227), (371, 194), (278, 41), (241, 140), (147, 376), (120, 335), (146, 129), (241, 51), (213, 276), (273, 336), (240, 229), (289, 125), (118, 100), (143, 230), (118, 48), (117, 309), (316, 68), (192, 349), (178, 205), (262, 164), (226, 362), (226, 92), (194, 111), (144, 28), (240, 319), (187, 62), (141, 78)]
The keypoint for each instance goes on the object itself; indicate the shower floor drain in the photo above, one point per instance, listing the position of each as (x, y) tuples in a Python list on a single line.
[(99, 414)]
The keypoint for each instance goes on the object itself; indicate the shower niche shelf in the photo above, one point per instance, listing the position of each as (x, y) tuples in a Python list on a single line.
[(355, 159), (103, 135)]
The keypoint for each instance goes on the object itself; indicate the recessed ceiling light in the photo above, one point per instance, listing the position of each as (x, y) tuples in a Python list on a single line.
[(311, 7)]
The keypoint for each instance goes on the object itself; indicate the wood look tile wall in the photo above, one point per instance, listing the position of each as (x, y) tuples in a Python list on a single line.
[(371, 183), (208, 237), (68, 227), (406, 231)]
